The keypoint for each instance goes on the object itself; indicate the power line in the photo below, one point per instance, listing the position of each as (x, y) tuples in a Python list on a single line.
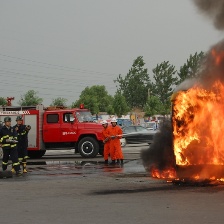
[(59, 67), (66, 82), (63, 77)]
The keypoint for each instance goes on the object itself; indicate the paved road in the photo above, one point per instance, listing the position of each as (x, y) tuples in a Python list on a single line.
[(67, 189)]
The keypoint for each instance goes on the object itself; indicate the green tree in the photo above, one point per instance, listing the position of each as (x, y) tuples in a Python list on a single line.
[(191, 68), (95, 98), (110, 109), (134, 86), (59, 102), (154, 106), (30, 99), (3, 101), (120, 106), (164, 81)]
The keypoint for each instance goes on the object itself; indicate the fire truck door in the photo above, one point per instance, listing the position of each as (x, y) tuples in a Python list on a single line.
[(51, 128), (68, 128)]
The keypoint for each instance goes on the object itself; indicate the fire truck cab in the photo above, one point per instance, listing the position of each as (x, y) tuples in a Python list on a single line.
[(57, 128)]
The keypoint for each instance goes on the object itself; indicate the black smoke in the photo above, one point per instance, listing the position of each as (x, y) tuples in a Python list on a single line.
[(160, 154), (214, 9), (213, 65)]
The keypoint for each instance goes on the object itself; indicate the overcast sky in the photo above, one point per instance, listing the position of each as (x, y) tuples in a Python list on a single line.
[(59, 47)]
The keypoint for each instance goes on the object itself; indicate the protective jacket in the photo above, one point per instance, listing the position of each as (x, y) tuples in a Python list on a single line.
[(115, 144), (106, 141), (22, 133), (8, 134)]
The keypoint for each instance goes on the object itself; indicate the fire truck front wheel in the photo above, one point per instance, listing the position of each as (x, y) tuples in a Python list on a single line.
[(88, 147)]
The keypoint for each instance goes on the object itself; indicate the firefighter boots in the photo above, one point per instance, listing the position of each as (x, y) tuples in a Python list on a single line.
[(18, 173), (24, 168)]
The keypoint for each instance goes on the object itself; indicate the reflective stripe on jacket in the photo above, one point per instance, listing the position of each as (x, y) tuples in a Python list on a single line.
[(7, 133)]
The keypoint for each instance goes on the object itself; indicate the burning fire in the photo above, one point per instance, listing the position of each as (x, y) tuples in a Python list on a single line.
[(198, 126), (197, 142), (165, 174)]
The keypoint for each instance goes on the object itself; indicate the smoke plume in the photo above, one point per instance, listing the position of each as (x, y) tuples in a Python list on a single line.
[(211, 69), (160, 154), (214, 9)]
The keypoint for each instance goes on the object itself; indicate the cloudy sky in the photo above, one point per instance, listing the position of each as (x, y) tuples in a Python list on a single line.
[(59, 47)]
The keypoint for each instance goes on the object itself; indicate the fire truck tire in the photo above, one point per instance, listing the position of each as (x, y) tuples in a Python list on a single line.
[(36, 154), (88, 147)]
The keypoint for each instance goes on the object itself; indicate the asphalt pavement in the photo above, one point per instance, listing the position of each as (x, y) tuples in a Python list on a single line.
[(64, 188)]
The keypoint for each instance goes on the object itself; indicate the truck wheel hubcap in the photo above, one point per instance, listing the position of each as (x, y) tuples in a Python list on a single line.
[(87, 147)]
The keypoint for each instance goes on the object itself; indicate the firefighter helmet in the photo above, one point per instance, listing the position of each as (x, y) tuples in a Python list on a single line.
[(6, 119), (104, 122), (114, 120), (19, 118)]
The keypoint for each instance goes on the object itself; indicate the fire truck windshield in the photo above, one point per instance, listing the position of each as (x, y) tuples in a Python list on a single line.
[(84, 116)]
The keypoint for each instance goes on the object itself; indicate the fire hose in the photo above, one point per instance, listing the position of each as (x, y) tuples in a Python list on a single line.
[(112, 137)]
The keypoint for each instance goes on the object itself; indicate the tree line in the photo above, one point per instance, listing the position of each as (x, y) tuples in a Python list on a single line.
[(135, 90)]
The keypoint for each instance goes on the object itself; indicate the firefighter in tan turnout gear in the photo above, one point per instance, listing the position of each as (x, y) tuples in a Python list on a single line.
[(22, 132), (8, 139)]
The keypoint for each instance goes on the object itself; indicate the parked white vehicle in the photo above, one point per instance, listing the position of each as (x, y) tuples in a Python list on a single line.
[(123, 142)]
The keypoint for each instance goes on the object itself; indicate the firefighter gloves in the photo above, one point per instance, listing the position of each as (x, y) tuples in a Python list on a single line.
[(28, 127)]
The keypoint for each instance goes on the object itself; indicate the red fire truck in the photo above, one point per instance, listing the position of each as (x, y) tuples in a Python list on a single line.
[(55, 128)]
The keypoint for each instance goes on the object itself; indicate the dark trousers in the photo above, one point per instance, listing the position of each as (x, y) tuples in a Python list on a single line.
[(22, 154), (13, 156)]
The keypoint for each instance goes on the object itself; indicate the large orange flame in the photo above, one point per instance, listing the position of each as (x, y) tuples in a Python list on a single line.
[(198, 126)]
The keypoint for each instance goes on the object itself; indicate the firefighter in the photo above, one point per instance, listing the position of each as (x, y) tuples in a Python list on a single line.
[(22, 131), (106, 141), (115, 146), (8, 139)]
